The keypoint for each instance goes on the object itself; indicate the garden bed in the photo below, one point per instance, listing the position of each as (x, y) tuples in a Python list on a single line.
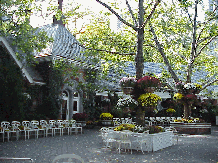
[(192, 128)]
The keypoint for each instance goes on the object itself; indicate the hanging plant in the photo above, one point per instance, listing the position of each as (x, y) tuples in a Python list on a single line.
[(148, 99)]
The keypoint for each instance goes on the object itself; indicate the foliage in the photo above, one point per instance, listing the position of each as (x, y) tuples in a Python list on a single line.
[(170, 110), (124, 127), (178, 96), (154, 129), (148, 99), (14, 20), (106, 116), (80, 116), (13, 101), (127, 82)]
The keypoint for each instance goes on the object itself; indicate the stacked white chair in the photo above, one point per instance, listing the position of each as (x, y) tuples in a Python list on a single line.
[(116, 122), (60, 127), (15, 128), (46, 127), (27, 128), (5, 127)]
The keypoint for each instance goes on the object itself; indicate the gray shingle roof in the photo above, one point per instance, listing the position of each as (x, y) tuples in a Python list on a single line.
[(155, 68), (65, 46)]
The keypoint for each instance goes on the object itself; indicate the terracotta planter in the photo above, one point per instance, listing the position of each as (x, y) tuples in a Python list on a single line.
[(127, 90)]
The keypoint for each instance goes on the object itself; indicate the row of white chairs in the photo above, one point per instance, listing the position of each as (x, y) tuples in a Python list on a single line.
[(36, 127), (122, 138), (161, 120), (119, 121)]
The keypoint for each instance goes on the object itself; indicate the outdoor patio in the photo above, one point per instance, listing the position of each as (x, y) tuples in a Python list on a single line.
[(190, 148)]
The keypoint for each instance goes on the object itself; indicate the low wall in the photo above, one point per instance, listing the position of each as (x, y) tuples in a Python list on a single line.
[(192, 128)]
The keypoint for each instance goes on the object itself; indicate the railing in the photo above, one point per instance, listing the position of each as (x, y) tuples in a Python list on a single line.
[(11, 158)]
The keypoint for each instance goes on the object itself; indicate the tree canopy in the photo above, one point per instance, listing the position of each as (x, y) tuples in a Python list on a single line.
[(172, 34)]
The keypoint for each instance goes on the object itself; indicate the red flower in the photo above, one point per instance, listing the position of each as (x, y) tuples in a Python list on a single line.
[(148, 81)]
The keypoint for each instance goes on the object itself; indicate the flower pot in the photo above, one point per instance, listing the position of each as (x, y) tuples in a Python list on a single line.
[(127, 90), (106, 122)]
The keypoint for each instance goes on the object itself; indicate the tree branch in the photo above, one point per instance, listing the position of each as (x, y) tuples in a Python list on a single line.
[(117, 15), (149, 16), (209, 83), (205, 23), (160, 49), (204, 46), (131, 53), (208, 80), (130, 10)]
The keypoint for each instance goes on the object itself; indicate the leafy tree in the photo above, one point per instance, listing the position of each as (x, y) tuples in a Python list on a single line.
[(174, 37)]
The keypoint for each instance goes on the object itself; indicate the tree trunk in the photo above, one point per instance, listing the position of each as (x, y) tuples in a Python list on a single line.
[(187, 110), (140, 117), (139, 59)]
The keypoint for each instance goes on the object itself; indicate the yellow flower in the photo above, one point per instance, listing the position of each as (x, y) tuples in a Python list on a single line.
[(106, 116), (178, 96), (170, 110), (148, 99), (198, 86)]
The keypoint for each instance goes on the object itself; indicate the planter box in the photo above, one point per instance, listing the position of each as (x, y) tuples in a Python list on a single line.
[(156, 141), (192, 128)]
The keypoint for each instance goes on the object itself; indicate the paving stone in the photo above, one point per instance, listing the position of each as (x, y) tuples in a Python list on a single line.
[(190, 148)]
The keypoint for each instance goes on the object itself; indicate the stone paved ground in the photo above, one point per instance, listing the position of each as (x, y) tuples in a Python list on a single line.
[(190, 149)]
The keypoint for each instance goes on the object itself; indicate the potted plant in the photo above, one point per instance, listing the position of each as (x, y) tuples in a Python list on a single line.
[(127, 84), (148, 99), (106, 118), (127, 104), (80, 118), (170, 111), (148, 83)]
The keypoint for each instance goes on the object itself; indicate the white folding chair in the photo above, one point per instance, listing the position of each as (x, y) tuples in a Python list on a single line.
[(15, 128), (73, 126), (60, 127), (175, 132), (27, 128), (124, 139), (46, 127), (5, 129)]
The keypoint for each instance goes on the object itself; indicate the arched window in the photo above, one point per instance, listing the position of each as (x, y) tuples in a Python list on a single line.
[(76, 103)]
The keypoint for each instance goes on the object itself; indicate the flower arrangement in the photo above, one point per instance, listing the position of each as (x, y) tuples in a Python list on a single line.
[(127, 102), (198, 86), (154, 129), (190, 97), (106, 116), (178, 96), (80, 116), (148, 99), (170, 110), (148, 81), (189, 86), (89, 123), (191, 120), (127, 82), (124, 127)]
